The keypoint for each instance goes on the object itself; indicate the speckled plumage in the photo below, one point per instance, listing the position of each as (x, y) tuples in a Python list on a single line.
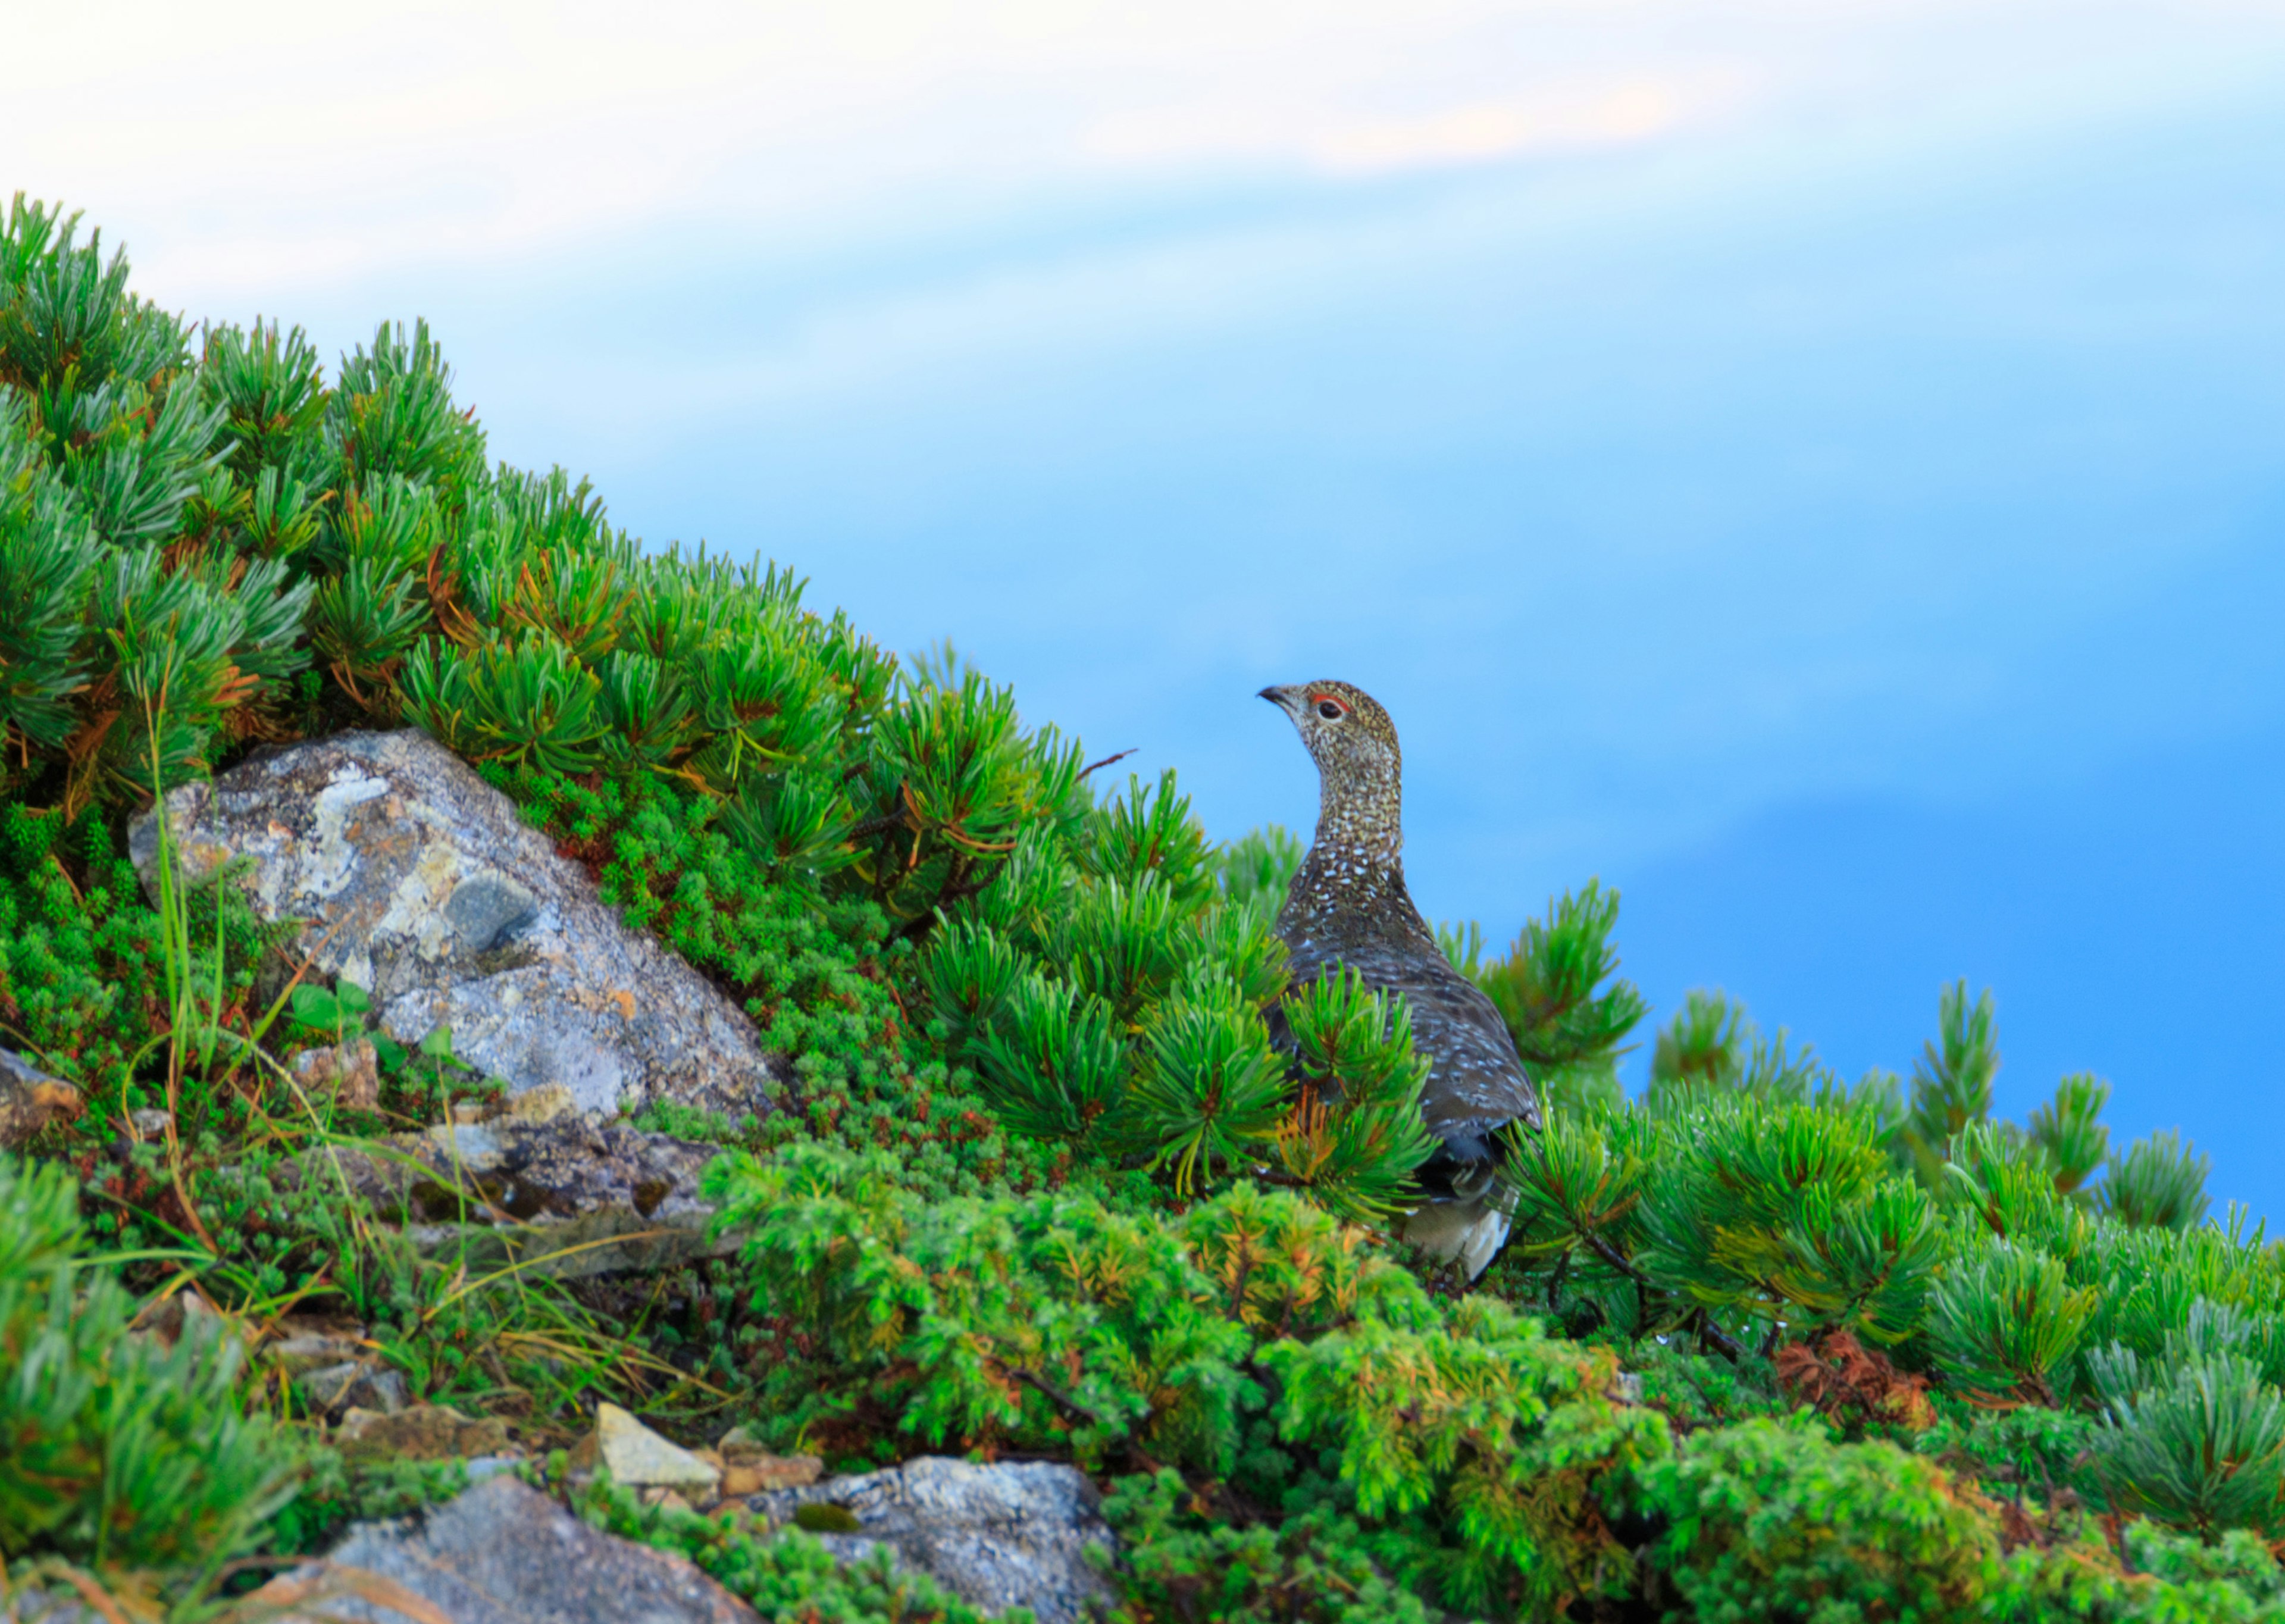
[(1348, 906)]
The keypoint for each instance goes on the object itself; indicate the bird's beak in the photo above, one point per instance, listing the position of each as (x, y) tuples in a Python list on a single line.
[(1283, 698)]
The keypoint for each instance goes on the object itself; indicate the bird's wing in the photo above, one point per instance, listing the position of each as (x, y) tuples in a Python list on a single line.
[(1476, 1080)]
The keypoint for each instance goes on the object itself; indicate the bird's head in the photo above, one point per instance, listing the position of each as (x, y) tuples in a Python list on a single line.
[(1350, 737)]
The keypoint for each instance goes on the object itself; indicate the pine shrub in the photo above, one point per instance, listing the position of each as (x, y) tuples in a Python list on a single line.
[(116, 1452), (1771, 1520), (1066, 1166)]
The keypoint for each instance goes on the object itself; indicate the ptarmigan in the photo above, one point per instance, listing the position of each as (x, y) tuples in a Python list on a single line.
[(1348, 906)]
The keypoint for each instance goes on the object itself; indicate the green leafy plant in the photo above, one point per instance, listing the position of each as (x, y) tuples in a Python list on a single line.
[(119, 1452), (787, 1576), (2195, 1438), (1787, 1212), (1182, 1562), (2069, 1130), (335, 1012), (2007, 1322), (1053, 1319), (1951, 1081), (1569, 1027), (1769, 1519), (2159, 1182), (1061, 1165)]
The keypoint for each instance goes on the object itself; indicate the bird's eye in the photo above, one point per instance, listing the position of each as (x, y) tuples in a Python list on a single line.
[(1329, 710)]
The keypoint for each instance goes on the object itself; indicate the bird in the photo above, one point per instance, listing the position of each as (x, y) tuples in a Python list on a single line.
[(1348, 908)]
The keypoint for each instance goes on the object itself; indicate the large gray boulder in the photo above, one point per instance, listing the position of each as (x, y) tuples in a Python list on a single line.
[(503, 1553), (1009, 1535), (418, 881)]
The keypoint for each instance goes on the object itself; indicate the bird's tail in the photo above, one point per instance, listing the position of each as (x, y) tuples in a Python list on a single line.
[(1470, 1226)]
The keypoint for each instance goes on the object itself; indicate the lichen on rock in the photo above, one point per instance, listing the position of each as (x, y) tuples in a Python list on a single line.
[(418, 881)]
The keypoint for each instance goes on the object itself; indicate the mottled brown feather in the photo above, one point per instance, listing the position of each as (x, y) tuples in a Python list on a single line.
[(1348, 908)]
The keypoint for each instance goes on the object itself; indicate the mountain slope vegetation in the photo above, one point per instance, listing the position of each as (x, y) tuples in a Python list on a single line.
[(1766, 1342)]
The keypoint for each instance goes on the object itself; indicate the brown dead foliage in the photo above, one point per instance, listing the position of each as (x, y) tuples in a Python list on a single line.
[(1844, 1381)]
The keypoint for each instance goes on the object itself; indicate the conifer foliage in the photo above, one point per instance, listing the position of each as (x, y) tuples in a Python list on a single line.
[(1068, 1166), (1112, 992)]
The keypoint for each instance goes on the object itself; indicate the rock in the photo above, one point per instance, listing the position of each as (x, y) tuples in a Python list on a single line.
[(1010, 1535), (305, 1351), (537, 1184), (150, 1122), (348, 1074), (46, 1604), (31, 1100), (750, 1469), (544, 1103), (177, 1313), (423, 1432), (420, 882), (640, 1458), (357, 1384), (503, 1553)]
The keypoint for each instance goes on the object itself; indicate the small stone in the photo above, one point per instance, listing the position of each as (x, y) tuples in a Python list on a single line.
[(467, 1113), (348, 1074), (421, 1432), (640, 1458), (666, 1497), (297, 1355), (466, 1147), (754, 1473), (151, 1122), (748, 1464), (180, 1312), (357, 1383), (542, 1104), (31, 1100)]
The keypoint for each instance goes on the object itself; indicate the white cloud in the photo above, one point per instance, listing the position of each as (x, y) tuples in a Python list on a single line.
[(1482, 131), (252, 152)]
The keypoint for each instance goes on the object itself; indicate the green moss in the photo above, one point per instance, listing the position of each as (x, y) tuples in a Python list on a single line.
[(787, 1576), (1770, 1520), (1179, 1561)]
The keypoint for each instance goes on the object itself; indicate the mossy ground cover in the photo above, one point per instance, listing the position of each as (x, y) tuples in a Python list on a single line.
[(1766, 1344)]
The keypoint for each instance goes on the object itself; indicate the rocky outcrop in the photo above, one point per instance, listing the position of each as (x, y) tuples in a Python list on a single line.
[(31, 1100), (1009, 1535), (1004, 1536), (540, 1183), (503, 1553), (420, 882)]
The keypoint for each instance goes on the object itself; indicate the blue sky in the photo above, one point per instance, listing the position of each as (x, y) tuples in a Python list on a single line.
[(1819, 469)]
